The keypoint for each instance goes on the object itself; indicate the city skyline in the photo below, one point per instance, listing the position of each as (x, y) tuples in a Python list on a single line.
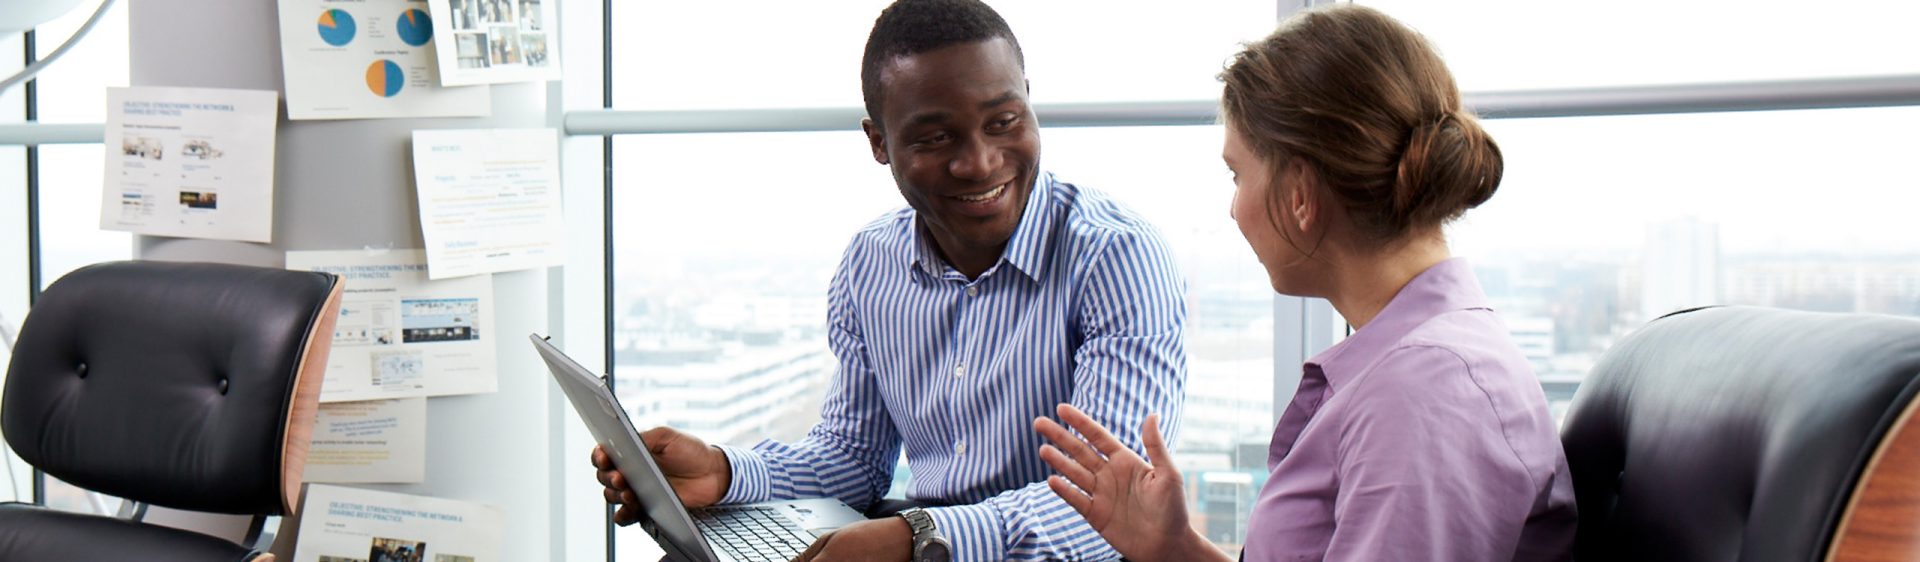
[(739, 324)]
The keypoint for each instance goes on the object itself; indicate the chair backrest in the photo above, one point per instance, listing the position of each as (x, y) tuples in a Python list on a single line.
[(186, 385), (1748, 434)]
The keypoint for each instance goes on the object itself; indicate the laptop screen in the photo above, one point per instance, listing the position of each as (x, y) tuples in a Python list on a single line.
[(662, 515)]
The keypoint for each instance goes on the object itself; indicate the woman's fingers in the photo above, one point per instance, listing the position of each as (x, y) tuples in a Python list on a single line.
[(1074, 498), (1157, 453), (1067, 443), (1095, 433), (1079, 475)]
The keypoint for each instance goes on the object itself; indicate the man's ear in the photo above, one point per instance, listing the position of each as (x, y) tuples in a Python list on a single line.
[(876, 140)]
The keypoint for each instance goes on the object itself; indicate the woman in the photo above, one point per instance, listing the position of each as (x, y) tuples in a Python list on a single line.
[(1422, 436)]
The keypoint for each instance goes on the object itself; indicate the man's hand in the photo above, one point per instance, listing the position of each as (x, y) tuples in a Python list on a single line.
[(887, 539), (698, 473)]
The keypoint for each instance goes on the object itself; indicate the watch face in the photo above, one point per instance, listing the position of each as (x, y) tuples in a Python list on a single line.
[(934, 551)]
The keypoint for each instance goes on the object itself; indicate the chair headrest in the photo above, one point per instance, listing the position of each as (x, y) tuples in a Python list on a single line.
[(1733, 432), (168, 383)]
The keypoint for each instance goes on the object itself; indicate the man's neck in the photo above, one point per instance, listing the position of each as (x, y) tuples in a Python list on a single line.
[(970, 266)]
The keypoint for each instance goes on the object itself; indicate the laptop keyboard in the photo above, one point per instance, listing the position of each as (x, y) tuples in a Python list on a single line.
[(753, 533)]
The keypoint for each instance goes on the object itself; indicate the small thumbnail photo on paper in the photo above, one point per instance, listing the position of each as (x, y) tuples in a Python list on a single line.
[(438, 320), (397, 550)]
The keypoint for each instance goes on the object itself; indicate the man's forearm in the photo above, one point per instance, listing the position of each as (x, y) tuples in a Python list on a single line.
[(1028, 523), (774, 470)]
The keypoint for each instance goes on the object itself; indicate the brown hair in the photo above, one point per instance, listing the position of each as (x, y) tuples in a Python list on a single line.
[(1370, 105)]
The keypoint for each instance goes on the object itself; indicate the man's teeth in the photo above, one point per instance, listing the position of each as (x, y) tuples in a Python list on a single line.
[(984, 196)]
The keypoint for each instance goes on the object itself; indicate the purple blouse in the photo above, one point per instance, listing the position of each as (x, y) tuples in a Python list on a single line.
[(1422, 436)]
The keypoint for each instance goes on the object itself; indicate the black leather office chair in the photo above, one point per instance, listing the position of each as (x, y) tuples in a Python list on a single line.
[(1751, 434), (185, 385)]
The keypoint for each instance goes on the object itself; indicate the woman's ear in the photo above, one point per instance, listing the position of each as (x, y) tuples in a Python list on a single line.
[(1303, 196)]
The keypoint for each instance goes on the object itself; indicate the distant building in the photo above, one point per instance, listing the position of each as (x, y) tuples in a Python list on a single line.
[(1534, 336), (1226, 401), (1225, 498), (1680, 267), (727, 393), (1882, 285)]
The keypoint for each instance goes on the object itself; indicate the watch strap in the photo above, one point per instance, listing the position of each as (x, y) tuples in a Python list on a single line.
[(919, 521)]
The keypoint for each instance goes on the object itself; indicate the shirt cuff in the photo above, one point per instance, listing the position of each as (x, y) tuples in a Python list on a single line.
[(973, 530), (751, 476)]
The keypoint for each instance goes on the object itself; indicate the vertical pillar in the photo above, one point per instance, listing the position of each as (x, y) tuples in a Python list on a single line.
[(18, 483)]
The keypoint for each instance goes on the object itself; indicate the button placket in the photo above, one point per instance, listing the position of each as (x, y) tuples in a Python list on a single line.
[(962, 344)]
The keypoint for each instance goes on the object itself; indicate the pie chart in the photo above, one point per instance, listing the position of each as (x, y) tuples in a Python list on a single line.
[(415, 27), (384, 78), (336, 27)]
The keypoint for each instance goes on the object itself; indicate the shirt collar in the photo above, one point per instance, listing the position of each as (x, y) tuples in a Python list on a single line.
[(1445, 287), (1026, 249)]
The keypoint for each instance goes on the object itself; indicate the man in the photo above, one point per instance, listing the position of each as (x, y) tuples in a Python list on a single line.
[(998, 293)]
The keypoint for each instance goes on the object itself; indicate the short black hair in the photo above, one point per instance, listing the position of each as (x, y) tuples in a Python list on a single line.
[(911, 27)]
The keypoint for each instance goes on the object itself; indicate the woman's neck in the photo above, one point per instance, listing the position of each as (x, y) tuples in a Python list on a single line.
[(1364, 284)]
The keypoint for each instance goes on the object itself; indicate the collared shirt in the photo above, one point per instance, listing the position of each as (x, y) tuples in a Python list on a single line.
[(1422, 436), (1085, 306)]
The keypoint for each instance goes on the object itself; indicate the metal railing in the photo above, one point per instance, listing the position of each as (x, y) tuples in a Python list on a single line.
[(1776, 95)]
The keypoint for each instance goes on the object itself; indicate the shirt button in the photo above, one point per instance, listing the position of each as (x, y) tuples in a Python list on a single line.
[(973, 291), (960, 371), (960, 448)]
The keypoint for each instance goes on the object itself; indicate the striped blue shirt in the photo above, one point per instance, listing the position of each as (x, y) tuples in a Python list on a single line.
[(1085, 306)]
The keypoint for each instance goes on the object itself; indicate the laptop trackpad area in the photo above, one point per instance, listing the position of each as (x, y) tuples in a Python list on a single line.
[(817, 516)]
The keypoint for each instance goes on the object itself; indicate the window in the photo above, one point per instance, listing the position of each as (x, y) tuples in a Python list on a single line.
[(807, 54), (715, 321), (1604, 223), (699, 306), (73, 90), (1517, 44), (18, 484), (711, 311), (1174, 176)]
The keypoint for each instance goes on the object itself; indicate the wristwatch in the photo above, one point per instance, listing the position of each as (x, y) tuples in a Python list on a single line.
[(928, 545)]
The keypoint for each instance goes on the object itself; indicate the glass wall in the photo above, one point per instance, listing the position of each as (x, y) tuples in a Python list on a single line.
[(1601, 223), (18, 477), (68, 182), (74, 90), (1521, 44), (1604, 223), (720, 324), (771, 54), (724, 243)]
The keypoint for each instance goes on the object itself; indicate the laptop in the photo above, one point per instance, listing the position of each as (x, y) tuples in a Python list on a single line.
[(775, 530)]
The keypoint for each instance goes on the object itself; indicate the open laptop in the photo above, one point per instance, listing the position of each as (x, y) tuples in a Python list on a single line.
[(776, 530)]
